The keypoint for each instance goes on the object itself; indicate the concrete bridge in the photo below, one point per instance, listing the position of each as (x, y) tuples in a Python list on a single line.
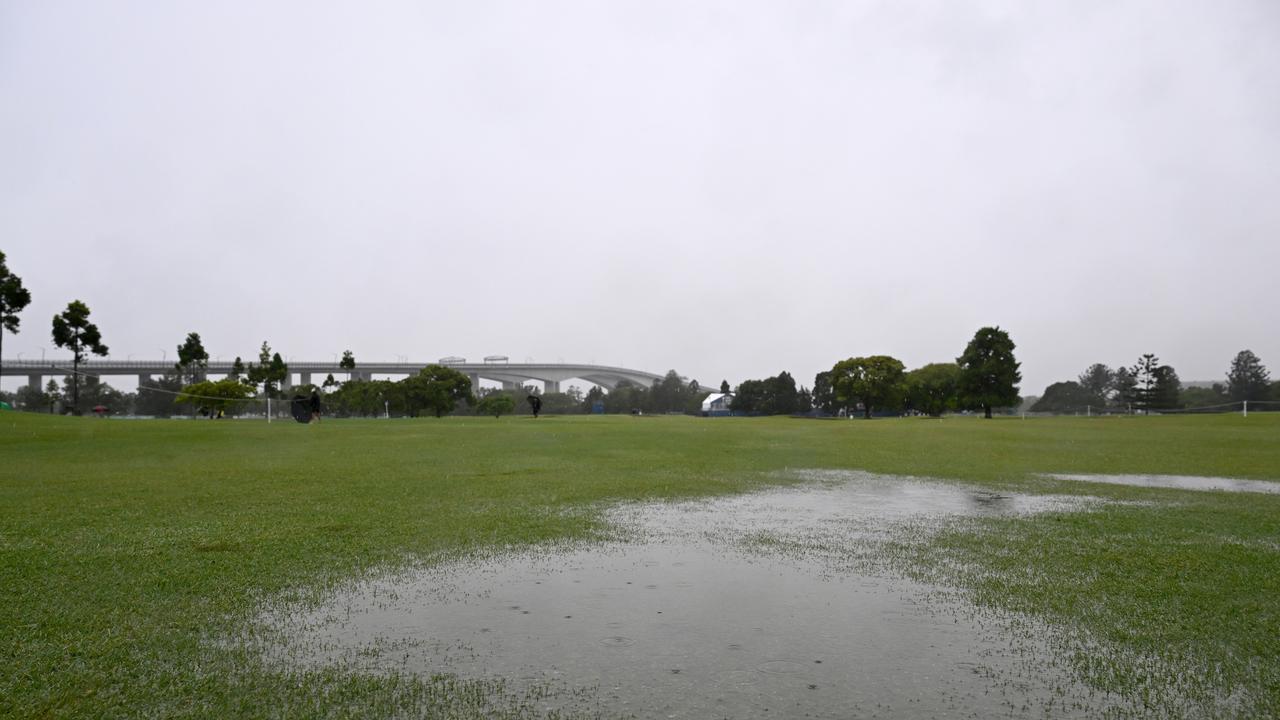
[(511, 375)]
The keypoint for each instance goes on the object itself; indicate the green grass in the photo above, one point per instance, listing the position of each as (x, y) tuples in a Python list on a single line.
[(128, 549)]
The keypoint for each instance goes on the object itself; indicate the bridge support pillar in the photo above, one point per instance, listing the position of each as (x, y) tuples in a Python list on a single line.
[(475, 382), (306, 378), (550, 386), (36, 382), (287, 382), (143, 378)]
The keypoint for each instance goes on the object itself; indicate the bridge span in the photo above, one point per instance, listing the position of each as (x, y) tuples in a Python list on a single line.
[(511, 375)]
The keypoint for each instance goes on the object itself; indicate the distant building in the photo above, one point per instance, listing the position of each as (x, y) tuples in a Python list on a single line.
[(717, 405)]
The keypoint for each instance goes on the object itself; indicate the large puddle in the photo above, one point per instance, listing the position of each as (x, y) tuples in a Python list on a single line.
[(1177, 482), (749, 606)]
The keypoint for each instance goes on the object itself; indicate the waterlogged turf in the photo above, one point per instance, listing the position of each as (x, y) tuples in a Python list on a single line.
[(136, 559), (1177, 482), (763, 605)]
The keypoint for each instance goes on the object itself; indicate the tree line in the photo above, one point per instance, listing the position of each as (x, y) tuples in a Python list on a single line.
[(1149, 385), (984, 377), (438, 390), (671, 394)]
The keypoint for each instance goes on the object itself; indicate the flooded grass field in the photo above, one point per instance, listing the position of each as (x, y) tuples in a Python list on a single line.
[(768, 604), (654, 567)]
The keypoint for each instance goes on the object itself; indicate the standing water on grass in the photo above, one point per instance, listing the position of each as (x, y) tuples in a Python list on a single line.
[(761, 605), (1176, 482)]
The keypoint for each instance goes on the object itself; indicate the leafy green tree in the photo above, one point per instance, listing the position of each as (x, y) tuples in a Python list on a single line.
[(749, 398), (1248, 378), (694, 397), (348, 362), (256, 374), (1197, 397), (364, 398), (279, 370), (824, 394), (389, 397), (627, 398), (213, 395), (1063, 397), (13, 298), (73, 331), (237, 370), (1167, 389), (932, 389), (329, 384), (724, 387), (496, 404), (221, 395), (875, 381), (783, 397), (671, 394), (94, 392), (53, 393), (1124, 388), (775, 395), (593, 396), (804, 400), (989, 374), (155, 396), (562, 403), (193, 360), (517, 395), (1098, 381), (270, 371), (436, 388), (32, 399)]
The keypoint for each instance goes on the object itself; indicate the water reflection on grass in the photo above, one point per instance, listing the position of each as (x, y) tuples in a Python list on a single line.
[(1176, 482), (767, 603)]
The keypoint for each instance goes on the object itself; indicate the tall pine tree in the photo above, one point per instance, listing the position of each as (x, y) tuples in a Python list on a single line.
[(1248, 379), (73, 331)]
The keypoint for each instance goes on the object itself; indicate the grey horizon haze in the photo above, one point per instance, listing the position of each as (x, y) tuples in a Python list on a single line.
[(729, 189)]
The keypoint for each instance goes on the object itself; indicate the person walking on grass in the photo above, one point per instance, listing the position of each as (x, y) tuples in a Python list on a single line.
[(315, 405)]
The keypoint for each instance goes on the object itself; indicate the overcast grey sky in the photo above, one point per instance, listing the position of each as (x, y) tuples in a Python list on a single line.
[(728, 188)]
